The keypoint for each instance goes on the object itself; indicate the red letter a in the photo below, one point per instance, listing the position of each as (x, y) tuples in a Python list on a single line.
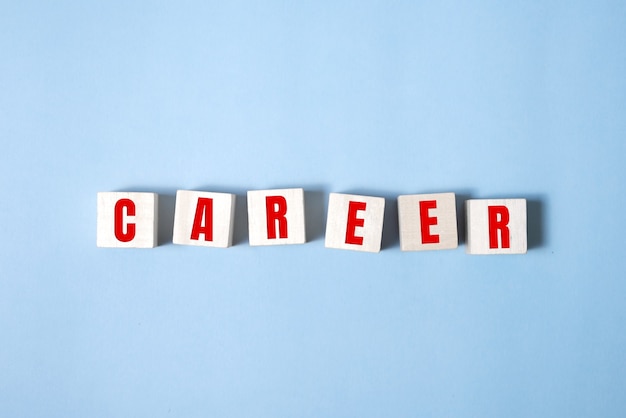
[(204, 212)]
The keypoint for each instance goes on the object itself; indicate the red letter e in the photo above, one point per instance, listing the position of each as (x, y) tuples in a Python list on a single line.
[(353, 222), (426, 221)]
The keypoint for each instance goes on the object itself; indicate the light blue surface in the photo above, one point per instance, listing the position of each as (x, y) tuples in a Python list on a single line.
[(490, 99)]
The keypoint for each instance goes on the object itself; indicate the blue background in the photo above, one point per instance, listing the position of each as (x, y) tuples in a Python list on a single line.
[(487, 100)]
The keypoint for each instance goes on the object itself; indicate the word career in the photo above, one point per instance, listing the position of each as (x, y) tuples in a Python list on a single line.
[(276, 217)]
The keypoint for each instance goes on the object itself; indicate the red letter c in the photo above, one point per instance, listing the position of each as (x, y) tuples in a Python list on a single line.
[(119, 225)]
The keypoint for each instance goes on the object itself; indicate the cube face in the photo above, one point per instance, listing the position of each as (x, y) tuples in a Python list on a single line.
[(427, 222), (496, 226), (355, 222), (204, 219), (276, 217), (127, 220)]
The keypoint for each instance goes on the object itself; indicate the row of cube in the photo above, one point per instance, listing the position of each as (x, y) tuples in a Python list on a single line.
[(276, 217)]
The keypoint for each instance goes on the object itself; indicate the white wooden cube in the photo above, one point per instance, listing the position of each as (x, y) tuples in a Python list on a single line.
[(355, 222), (496, 226), (127, 220), (204, 219), (427, 222), (276, 217)]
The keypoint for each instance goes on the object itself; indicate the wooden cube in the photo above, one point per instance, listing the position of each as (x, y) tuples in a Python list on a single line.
[(204, 219), (496, 226), (127, 220), (276, 217), (427, 222), (355, 222)]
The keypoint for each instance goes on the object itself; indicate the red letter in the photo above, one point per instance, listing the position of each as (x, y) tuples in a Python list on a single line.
[(204, 210), (119, 225), (426, 221), (496, 224), (276, 209), (353, 222)]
